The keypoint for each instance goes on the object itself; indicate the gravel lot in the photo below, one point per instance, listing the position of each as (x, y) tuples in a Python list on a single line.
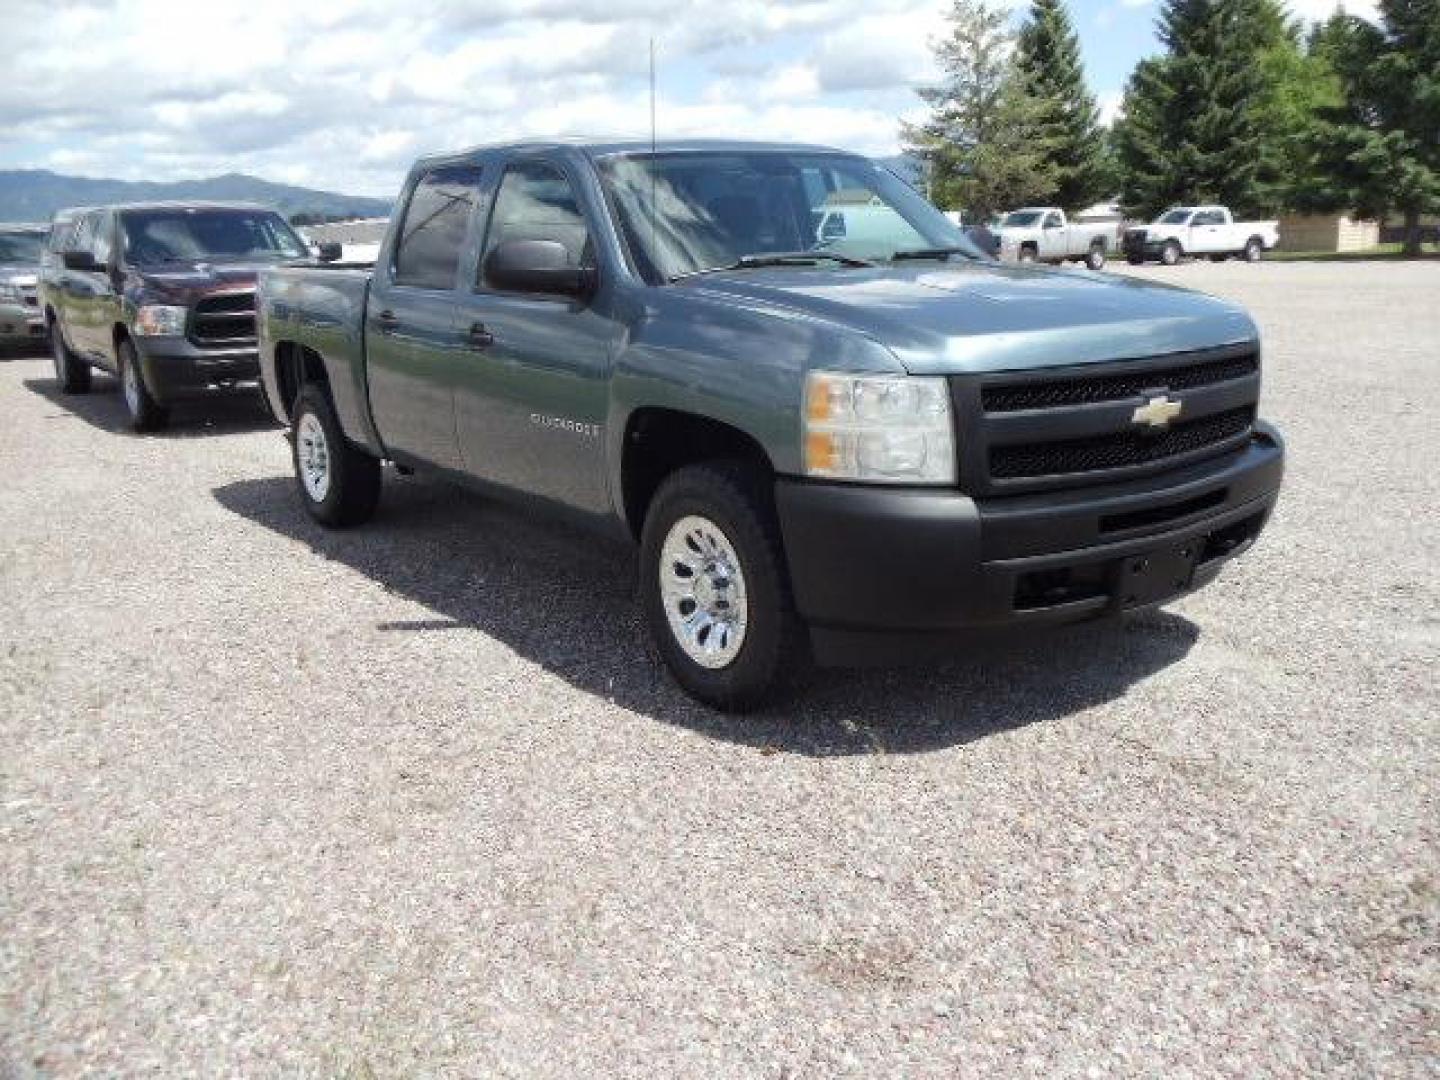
[(418, 799)]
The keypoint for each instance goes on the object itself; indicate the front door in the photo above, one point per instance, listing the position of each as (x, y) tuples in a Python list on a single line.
[(531, 407), (413, 357)]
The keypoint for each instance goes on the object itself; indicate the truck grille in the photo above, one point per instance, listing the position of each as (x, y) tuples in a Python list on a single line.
[(1023, 431), (1051, 394), (1117, 451), (228, 319)]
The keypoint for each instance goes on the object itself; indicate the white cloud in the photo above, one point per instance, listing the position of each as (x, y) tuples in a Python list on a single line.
[(342, 94)]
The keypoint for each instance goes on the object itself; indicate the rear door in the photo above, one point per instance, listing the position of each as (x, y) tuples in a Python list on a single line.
[(413, 356), (531, 406)]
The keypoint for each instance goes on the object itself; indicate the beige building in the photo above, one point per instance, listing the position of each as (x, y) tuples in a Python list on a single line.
[(1327, 232)]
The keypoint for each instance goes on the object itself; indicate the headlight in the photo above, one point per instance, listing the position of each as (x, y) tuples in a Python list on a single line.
[(9, 292), (889, 429), (156, 319)]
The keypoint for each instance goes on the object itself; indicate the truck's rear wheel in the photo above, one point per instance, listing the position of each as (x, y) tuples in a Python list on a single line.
[(339, 483), (1170, 253), (1253, 249), (146, 414), (1028, 254), (72, 373), (714, 587), (1095, 257)]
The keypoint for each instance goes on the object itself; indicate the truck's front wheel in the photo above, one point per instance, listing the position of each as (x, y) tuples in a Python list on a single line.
[(339, 483), (146, 414), (1095, 257), (1170, 253), (713, 585)]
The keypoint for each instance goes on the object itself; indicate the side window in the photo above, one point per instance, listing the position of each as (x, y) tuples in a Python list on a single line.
[(536, 202), (433, 229), (82, 237), (100, 243), (1052, 221), (1207, 217), (60, 233)]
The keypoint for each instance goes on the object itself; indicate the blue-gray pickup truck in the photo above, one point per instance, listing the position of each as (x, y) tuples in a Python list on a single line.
[(834, 429)]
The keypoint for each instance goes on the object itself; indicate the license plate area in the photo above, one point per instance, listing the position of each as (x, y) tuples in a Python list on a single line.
[(1154, 576)]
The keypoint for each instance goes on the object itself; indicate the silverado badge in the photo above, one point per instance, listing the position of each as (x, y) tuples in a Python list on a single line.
[(1157, 412)]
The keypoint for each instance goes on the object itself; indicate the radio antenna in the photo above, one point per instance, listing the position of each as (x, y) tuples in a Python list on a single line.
[(654, 210)]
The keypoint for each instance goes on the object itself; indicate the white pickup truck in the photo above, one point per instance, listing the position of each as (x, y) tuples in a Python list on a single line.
[(1041, 234), (1199, 230)]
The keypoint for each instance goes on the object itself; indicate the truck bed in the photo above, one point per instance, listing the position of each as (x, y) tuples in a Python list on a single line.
[(322, 308)]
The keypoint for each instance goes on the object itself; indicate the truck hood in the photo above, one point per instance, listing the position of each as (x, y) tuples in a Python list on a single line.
[(970, 317), (185, 281)]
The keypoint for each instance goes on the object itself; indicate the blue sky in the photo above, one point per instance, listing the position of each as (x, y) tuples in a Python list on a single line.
[(343, 94)]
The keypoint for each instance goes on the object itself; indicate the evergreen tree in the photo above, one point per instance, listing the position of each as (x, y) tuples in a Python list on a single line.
[(1379, 150), (1192, 126), (980, 145), (1048, 57)]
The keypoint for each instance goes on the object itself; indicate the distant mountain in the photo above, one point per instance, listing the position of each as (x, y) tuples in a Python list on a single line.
[(35, 194)]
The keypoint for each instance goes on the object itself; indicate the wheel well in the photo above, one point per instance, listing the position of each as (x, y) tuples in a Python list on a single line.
[(295, 366), (1098, 242), (1031, 244), (659, 441)]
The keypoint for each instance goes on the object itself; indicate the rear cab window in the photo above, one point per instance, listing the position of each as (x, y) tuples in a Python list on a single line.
[(432, 232)]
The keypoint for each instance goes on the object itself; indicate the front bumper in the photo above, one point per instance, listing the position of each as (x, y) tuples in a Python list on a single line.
[(176, 368), (20, 323), (871, 565)]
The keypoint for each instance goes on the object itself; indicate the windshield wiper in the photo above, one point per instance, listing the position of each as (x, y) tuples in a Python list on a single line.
[(779, 258), (931, 253)]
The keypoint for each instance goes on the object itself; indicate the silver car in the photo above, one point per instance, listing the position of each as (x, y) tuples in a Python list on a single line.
[(21, 321)]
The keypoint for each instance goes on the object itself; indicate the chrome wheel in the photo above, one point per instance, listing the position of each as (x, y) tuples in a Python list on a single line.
[(703, 589), (130, 382), (312, 455)]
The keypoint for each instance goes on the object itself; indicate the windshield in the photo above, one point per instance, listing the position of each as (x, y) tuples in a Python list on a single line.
[(21, 248), (1175, 217), (682, 213), (1022, 219), (159, 236)]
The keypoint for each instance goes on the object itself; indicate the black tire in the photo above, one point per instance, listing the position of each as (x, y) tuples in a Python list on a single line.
[(736, 498), (145, 413), (71, 373), (1095, 257), (1028, 254), (1170, 253), (352, 488), (1254, 248)]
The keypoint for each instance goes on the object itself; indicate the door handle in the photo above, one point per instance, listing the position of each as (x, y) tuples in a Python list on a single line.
[(478, 337), (387, 322)]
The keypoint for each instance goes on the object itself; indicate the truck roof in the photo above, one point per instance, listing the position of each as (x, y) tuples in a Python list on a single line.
[(608, 147)]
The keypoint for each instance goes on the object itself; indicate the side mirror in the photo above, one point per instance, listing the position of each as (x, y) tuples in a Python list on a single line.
[(83, 261), (537, 266), (329, 251)]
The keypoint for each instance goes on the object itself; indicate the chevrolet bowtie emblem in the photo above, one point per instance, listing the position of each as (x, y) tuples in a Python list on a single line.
[(1157, 412)]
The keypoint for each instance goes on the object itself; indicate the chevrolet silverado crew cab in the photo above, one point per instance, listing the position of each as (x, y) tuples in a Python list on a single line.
[(1042, 234), (1199, 230), (841, 449), (21, 248), (162, 295)]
